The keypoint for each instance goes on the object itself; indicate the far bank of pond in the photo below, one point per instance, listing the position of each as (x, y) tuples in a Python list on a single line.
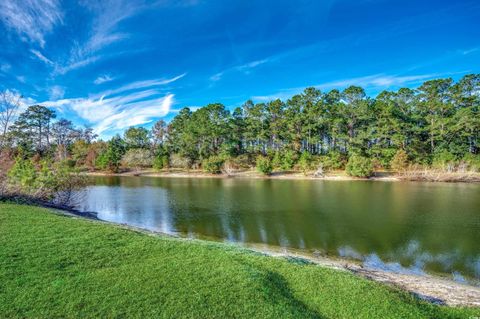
[(418, 175)]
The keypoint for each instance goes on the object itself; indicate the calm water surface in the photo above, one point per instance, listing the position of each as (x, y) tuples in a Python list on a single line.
[(400, 226)]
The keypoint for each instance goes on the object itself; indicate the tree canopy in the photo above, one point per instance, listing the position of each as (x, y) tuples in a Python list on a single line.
[(439, 120)]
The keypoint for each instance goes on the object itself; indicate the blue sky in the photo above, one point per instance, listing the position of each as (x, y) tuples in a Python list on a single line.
[(112, 64)]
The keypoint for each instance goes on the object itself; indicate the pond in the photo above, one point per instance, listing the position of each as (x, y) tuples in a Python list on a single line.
[(408, 227)]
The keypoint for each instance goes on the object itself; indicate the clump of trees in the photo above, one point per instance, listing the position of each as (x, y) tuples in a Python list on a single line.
[(305, 162), (264, 165), (213, 164), (400, 161), (359, 166), (137, 159), (436, 125), (42, 181)]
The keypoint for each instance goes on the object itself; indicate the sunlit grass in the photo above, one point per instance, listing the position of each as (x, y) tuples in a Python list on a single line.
[(56, 266)]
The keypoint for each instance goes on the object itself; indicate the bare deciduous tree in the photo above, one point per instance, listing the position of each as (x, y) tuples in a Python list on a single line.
[(159, 133), (9, 105), (64, 134)]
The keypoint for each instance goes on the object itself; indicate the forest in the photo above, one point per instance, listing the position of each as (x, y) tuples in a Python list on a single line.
[(436, 125)]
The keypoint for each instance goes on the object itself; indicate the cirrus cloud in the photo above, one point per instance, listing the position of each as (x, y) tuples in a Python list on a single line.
[(103, 78), (111, 111), (244, 68), (31, 19), (376, 82)]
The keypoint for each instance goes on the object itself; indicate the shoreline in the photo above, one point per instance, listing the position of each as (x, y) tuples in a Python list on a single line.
[(245, 174), (417, 176), (429, 287)]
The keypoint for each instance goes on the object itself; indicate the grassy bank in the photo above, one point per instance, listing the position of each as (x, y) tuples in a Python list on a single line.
[(58, 266)]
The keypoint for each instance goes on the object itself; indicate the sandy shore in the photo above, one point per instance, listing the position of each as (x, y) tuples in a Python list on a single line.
[(426, 176), (337, 176), (434, 289)]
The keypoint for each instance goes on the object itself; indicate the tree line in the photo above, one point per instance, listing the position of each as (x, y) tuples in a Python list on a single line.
[(437, 124)]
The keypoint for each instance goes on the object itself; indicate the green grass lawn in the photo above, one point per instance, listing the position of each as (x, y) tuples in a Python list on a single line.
[(56, 266)]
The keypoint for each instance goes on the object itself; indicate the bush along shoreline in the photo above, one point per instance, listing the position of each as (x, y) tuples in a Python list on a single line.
[(43, 183)]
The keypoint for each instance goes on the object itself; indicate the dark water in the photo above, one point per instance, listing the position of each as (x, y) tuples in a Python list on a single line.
[(402, 226)]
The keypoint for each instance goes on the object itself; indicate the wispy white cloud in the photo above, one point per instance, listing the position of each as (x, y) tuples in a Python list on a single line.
[(63, 68), (282, 95), (108, 14), (251, 65), (56, 92), (141, 112), (376, 81), (103, 78), (108, 115), (470, 51), (21, 78), (106, 17), (41, 57), (32, 20), (5, 67), (114, 110), (245, 68), (216, 77), (143, 84), (73, 65)]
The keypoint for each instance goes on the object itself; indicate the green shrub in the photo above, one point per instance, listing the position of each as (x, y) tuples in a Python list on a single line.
[(161, 158), (443, 159), (332, 161), (115, 151), (289, 158), (227, 150), (472, 161), (382, 156), (399, 161), (23, 174), (45, 181), (79, 150), (102, 160), (160, 162), (213, 164), (320, 160), (264, 165), (305, 162), (377, 163), (387, 157), (277, 160), (243, 161), (335, 160), (70, 162), (284, 160), (111, 155), (359, 166)]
